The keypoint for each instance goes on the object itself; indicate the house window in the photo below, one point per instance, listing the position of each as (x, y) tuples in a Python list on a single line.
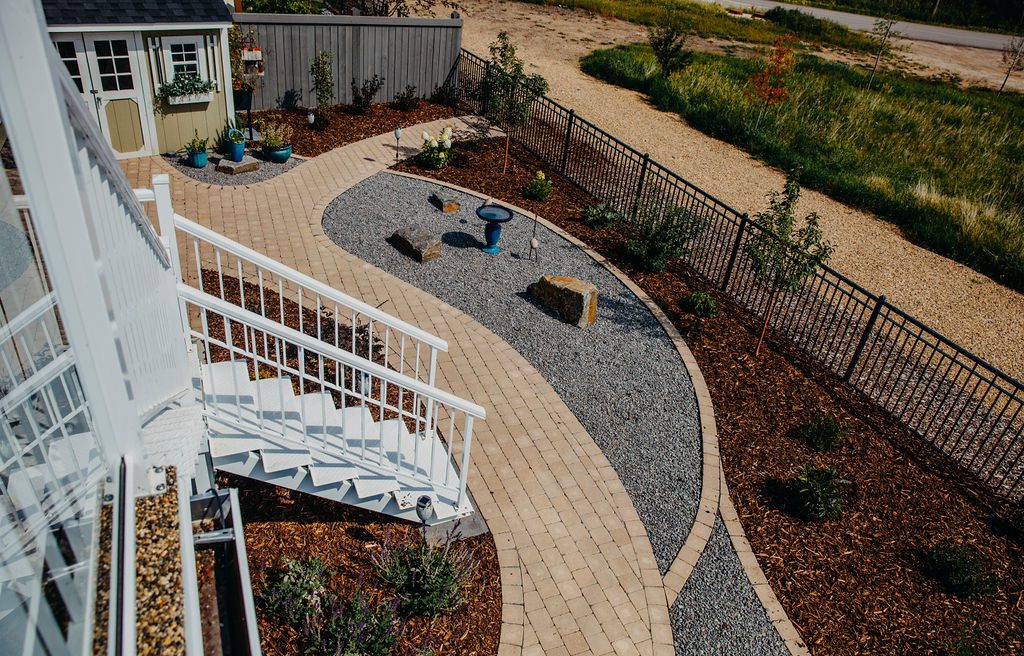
[(68, 55), (114, 65), (184, 56)]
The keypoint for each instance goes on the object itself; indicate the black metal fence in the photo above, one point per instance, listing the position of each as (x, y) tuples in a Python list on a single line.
[(959, 404)]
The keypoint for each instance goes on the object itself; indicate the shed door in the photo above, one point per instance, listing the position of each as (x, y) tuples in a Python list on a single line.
[(110, 77)]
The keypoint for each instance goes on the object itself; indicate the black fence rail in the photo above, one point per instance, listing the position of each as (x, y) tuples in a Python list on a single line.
[(956, 402)]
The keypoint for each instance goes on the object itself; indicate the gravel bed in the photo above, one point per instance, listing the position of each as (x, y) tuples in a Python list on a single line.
[(210, 174), (718, 611), (621, 377)]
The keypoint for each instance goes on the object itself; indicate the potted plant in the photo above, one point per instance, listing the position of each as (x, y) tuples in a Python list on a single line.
[(246, 65), (186, 90), (236, 145), (277, 141), (195, 152)]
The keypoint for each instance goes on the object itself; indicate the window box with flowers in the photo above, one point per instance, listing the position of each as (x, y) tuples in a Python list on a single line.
[(186, 90)]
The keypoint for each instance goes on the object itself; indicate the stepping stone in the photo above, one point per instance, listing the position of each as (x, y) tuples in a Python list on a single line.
[(575, 301), (445, 204), (248, 164), (418, 243)]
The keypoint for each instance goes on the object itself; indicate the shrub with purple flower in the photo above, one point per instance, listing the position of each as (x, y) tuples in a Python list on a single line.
[(359, 626), (299, 594), (427, 579)]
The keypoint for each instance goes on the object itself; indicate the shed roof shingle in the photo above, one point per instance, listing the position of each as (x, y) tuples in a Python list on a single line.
[(130, 12)]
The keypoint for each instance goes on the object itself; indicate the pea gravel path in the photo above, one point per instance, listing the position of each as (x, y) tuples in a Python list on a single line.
[(621, 377)]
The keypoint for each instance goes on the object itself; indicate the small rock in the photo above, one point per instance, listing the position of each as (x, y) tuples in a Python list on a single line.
[(446, 205), (418, 243), (248, 163), (573, 300)]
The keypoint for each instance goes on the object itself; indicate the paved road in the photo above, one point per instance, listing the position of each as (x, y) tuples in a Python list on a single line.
[(916, 31)]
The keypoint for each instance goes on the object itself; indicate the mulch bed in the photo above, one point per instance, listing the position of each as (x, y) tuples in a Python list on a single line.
[(853, 585), (282, 523), (345, 126)]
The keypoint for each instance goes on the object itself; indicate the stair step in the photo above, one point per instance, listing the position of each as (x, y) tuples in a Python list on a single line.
[(279, 459), (331, 474), (227, 383), (372, 486), (65, 452), (222, 446)]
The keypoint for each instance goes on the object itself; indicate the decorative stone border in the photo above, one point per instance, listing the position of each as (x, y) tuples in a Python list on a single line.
[(714, 497)]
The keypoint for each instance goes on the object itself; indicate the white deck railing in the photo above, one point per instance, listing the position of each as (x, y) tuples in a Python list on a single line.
[(212, 263), (268, 348)]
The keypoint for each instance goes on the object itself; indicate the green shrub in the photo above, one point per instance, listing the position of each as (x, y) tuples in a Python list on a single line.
[(427, 579), (359, 627), (701, 304), (299, 595), (823, 433), (660, 234), (601, 215), (540, 187), (407, 101), (362, 95), (820, 491), (960, 569)]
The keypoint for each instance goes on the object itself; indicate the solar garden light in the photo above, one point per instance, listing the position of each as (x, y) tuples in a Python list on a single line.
[(311, 118), (398, 137), (424, 509)]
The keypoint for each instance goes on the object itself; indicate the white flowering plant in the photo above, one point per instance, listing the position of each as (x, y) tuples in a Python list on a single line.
[(436, 152)]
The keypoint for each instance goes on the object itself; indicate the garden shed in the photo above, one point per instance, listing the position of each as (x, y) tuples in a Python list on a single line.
[(120, 53)]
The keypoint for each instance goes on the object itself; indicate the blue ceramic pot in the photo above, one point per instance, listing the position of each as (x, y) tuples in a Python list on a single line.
[(278, 155), (236, 151), (197, 160)]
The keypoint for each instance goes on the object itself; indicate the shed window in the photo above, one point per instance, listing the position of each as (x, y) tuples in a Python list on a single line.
[(68, 55), (184, 56)]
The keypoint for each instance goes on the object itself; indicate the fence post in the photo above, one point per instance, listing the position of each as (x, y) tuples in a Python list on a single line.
[(864, 338), (568, 136), (640, 183), (744, 220), (486, 81)]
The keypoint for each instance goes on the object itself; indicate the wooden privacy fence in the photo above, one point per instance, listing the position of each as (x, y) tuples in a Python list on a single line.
[(956, 402), (422, 52)]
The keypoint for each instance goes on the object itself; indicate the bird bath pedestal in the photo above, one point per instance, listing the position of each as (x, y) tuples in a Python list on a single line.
[(495, 216)]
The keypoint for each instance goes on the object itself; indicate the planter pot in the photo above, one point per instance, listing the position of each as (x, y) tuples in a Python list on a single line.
[(190, 99), (278, 155), (243, 99), (196, 160), (236, 151)]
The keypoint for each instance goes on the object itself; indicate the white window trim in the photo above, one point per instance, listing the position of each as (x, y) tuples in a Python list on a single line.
[(198, 40)]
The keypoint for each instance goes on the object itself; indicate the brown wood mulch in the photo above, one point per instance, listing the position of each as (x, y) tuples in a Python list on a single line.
[(281, 523), (854, 585), (345, 126)]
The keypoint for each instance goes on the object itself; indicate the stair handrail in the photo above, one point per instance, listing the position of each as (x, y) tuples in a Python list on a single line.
[(247, 317), (326, 291)]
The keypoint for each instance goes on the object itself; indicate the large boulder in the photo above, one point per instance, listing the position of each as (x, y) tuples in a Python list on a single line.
[(418, 243), (575, 301), (247, 165), (446, 204)]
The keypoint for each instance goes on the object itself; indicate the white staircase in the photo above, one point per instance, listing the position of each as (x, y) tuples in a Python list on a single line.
[(262, 430)]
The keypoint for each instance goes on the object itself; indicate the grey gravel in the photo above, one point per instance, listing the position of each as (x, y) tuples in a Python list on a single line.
[(210, 174), (621, 377), (718, 611)]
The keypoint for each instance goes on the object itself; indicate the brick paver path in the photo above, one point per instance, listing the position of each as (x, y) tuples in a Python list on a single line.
[(577, 570)]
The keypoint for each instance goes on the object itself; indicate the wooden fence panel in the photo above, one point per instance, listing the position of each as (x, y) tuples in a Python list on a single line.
[(421, 52)]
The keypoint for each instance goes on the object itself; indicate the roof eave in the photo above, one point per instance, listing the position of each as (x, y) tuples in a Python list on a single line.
[(138, 27)]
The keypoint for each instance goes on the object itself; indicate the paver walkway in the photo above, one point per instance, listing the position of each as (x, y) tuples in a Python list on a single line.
[(577, 570)]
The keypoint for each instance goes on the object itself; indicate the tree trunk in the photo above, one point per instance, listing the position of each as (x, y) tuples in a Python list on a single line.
[(767, 318), (508, 138), (878, 57), (1012, 66), (935, 9)]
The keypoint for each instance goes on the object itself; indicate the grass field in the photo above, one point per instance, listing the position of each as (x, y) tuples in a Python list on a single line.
[(992, 14), (947, 165), (713, 21)]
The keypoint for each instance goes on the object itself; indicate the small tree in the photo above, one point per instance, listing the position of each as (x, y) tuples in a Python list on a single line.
[(323, 82), (881, 33), (668, 41), (768, 86), (507, 92), (1013, 57), (782, 256)]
